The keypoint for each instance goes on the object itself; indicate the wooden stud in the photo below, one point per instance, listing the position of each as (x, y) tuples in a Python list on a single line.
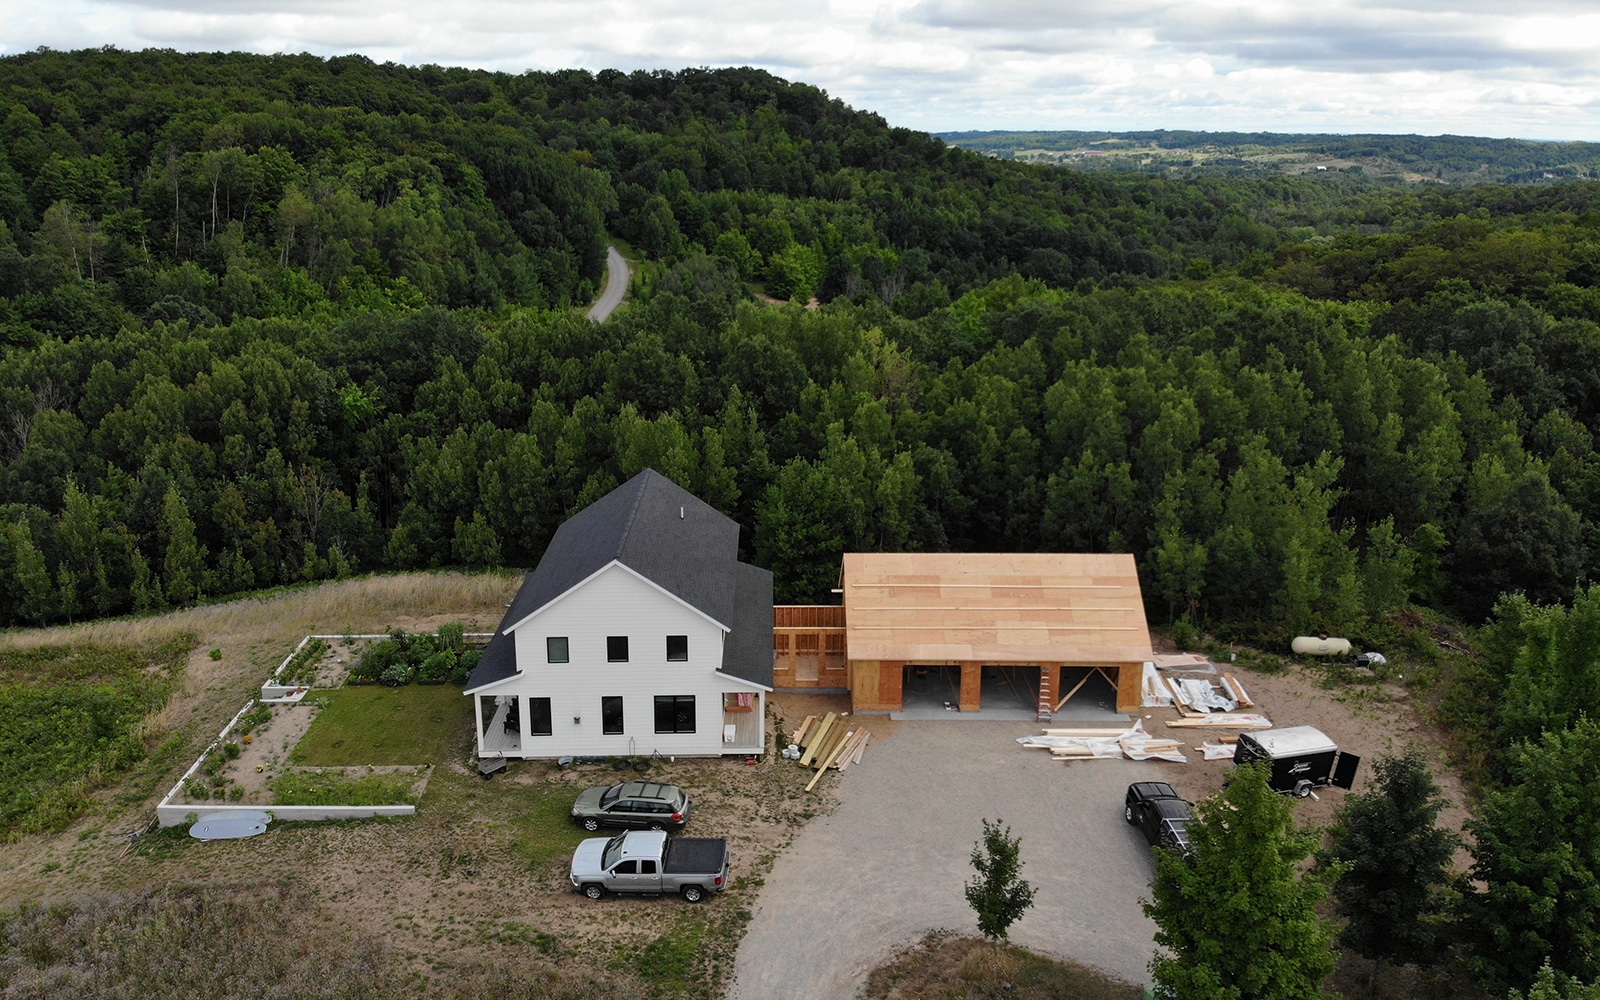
[(812, 744)]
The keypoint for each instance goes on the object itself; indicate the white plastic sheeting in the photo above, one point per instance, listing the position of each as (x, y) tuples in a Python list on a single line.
[(1156, 692), (1133, 744), (1199, 694)]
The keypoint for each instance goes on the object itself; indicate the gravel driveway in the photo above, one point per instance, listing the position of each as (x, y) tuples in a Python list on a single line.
[(889, 863)]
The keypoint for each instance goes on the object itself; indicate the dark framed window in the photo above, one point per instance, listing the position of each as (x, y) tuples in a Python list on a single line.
[(539, 717), (555, 649), (617, 648), (611, 714), (677, 647), (674, 713)]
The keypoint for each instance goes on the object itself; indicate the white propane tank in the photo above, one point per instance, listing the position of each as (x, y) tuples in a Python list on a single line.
[(1310, 645)]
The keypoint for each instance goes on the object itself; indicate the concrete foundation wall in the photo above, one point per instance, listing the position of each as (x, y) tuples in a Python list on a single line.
[(176, 815)]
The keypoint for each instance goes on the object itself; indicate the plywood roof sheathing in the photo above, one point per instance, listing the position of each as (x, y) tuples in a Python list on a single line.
[(937, 607)]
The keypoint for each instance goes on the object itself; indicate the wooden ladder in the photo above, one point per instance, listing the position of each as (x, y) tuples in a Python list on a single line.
[(1045, 702)]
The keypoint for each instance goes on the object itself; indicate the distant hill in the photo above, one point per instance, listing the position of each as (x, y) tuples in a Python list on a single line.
[(1411, 159)]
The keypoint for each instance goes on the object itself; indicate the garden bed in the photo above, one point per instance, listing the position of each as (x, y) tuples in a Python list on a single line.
[(375, 752)]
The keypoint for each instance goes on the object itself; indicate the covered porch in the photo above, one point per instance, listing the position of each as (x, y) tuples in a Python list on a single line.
[(499, 724), (743, 722)]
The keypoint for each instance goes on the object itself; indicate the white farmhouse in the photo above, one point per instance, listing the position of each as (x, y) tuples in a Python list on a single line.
[(639, 631)]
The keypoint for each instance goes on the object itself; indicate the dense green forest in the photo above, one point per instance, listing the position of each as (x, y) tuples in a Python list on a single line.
[(1433, 159), (269, 319)]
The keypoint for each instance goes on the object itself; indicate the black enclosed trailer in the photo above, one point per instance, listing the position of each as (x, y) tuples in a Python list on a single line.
[(1302, 758)]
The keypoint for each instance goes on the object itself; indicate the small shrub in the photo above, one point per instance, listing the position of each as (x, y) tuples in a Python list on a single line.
[(1184, 635), (256, 718), (437, 667), (396, 675), (464, 663), (216, 654), (375, 659), (232, 751), (198, 789), (236, 793)]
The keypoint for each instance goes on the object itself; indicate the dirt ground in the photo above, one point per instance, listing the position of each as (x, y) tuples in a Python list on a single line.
[(461, 882)]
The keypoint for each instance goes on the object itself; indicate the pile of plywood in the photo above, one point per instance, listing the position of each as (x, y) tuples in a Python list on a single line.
[(835, 741)]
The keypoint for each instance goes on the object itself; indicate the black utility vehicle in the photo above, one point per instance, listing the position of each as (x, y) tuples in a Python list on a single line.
[(1160, 813)]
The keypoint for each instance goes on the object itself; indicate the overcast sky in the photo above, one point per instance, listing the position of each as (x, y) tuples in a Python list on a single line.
[(1526, 68)]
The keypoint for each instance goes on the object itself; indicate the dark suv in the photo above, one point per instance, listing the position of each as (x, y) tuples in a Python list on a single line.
[(643, 805), (1160, 813)]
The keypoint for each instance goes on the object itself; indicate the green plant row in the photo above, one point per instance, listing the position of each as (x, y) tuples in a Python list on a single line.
[(427, 659), (302, 667)]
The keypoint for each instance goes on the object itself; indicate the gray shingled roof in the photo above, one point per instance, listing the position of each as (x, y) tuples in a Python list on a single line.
[(672, 538), (747, 653)]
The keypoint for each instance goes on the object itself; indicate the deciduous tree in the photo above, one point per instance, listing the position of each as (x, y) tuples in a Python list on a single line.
[(1237, 919)]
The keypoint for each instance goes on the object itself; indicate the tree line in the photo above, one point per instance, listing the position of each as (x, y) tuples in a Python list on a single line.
[(283, 318)]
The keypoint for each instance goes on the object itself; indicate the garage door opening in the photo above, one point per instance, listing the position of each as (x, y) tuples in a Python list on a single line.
[(1090, 693), (929, 691), (933, 691)]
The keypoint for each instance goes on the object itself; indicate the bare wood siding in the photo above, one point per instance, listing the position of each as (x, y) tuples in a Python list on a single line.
[(808, 616)]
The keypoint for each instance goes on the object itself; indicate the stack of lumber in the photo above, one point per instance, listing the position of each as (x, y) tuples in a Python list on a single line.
[(1231, 684), (834, 741), (1227, 685), (1105, 743), (1222, 720), (1091, 742)]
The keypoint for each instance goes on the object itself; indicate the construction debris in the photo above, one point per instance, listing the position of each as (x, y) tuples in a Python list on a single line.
[(1091, 743), (1222, 720), (827, 742)]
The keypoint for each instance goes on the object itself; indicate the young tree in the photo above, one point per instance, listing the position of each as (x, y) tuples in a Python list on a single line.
[(1550, 985), (1396, 863), (1537, 854), (184, 565), (1238, 920), (999, 894)]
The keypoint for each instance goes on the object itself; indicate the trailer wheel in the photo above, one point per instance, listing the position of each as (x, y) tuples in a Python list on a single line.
[(693, 893), (594, 890), (1302, 788)]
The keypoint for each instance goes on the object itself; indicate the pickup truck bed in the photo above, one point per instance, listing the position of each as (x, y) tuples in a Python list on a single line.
[(693, 855), (648, 861)]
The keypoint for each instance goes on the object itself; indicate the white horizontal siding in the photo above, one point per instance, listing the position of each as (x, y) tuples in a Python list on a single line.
[(616, 602)]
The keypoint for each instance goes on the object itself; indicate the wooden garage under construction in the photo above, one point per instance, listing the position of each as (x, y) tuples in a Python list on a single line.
[(1043, 625)]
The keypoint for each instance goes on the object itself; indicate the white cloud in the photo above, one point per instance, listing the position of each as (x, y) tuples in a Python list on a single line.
[(1475, 66)]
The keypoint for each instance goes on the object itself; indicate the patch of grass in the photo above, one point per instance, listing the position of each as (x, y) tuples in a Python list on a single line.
[(542, 819), (965, 968), (384, 725), (669, 962), (332, 788), (73, 719), (519, 933)]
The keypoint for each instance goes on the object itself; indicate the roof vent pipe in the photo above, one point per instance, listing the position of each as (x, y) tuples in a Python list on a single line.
[(680, 513)]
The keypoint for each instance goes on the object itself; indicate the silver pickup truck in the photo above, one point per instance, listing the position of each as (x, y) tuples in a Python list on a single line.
[(650, 861)]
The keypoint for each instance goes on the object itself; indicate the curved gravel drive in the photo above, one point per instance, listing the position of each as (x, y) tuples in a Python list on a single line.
[(616, 286), (888, 865)]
